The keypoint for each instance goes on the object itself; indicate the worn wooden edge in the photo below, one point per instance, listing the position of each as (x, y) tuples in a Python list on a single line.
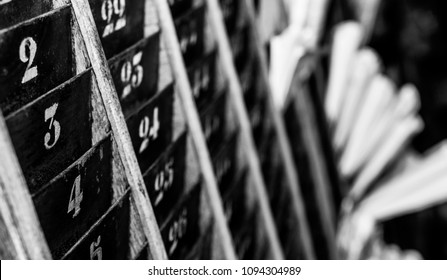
[(83, 15), (291, 170), (194, 126), (303, 106), (16, 205), (223, 45)]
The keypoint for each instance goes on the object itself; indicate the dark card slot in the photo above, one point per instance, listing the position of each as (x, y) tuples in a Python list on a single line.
[(180, 7), (71, 203), (16, 11), (135, 73), (213, 121), (35, 57), (224, 163), (120, 23), (182, 230), (109, 238), (191, 32), (151, 128), (53, 131), (165, 179), (202, 77)]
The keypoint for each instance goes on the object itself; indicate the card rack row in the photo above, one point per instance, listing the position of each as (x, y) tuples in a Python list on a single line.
[(143, 130), (306, 125)]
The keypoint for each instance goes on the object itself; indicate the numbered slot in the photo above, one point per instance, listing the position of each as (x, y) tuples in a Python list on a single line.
[(151, 128), (230, 12), (181, 232), (214, 122), (71, 203), (244, 239), (234, 203), (224, 164), (135, 73), (260, 125), (180, 7), (13, 12), (165, 179), (240, 45), (120, 23), (52, 132), (202, 77), (269, 159), (35, 57), (203, 248), (190, 33), (109, 238)]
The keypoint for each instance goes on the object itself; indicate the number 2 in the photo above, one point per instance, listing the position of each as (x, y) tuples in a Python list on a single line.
[(76, 197), (27, 53)]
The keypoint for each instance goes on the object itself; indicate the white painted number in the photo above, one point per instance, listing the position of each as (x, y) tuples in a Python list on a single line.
[(110, 8), (205, 77), (226, 9), (212, 124), (201, 80), (177, 230), (54, 124), (197, 88), (222, 168), (147, 132), (164, 180), (27, 53), (76, 197), (96, 250), (188, 37), (132, 74)]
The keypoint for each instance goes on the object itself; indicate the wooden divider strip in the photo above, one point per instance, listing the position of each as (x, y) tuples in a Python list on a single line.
[(284, 144), (17, 209), (235, 91)]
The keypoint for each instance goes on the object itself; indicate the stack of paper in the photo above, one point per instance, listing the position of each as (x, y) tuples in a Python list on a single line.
[(372, 123), (306, 19)]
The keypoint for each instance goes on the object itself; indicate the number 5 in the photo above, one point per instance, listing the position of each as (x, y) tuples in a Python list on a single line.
[(132, 78)]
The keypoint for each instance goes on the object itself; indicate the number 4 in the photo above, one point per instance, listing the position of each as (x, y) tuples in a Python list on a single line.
[(76, 197), (146, 132)]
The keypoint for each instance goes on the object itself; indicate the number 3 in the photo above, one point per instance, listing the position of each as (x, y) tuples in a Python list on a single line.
[(27, 53), (49, 115)]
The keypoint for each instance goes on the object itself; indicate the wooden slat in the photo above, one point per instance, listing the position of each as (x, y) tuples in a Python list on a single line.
[(25, 237), (284, 145), (307, 119), (237, 102)]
